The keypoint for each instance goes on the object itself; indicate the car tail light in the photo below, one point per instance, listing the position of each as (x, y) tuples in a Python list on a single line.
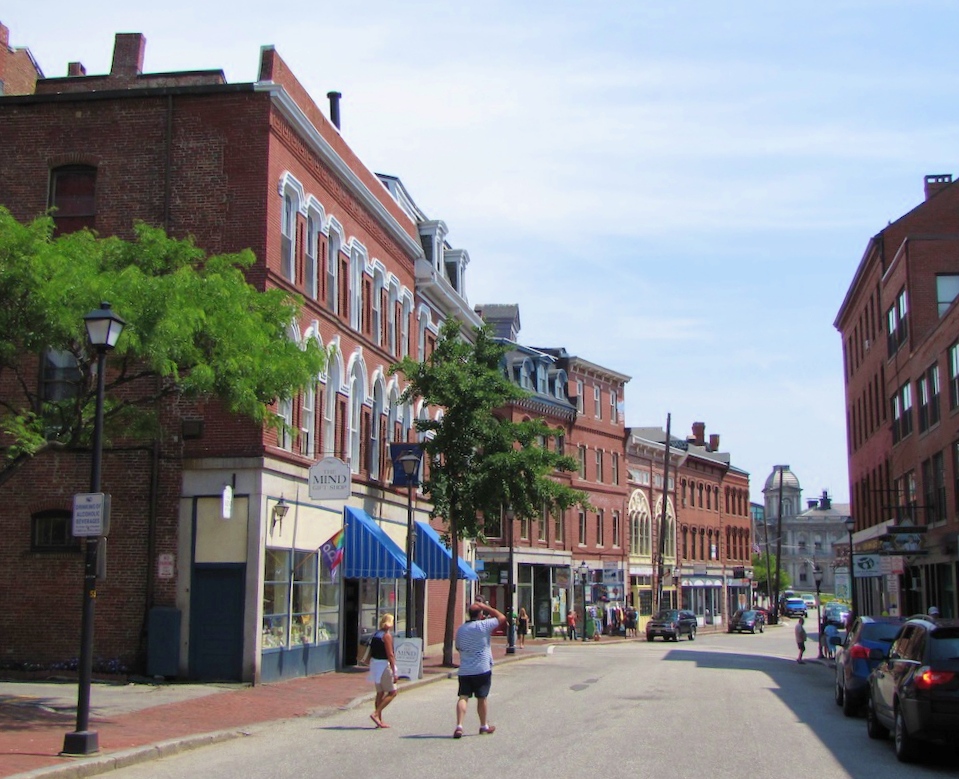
[(926, 678), (858, 652)]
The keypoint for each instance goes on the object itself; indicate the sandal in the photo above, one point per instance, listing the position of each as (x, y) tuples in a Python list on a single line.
[(458, 733), (487, 730)]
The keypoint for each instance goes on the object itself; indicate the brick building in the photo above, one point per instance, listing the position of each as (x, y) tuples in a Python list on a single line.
[(549, 555), (708, 541), (900, 333), (239, 592)]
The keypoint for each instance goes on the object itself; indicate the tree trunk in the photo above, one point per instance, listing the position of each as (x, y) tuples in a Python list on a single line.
[(451, 600)]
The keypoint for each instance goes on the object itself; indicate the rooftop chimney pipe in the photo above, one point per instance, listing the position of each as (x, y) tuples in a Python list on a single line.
[(335, 108)]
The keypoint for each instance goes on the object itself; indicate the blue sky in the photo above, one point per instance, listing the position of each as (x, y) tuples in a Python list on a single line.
[(678, 191)]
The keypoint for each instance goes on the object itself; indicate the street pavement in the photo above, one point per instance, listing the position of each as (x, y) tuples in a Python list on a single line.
[(141, 722)]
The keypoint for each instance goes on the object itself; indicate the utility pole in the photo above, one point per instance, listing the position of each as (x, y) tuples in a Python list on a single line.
[(779, 542), (662, 521)]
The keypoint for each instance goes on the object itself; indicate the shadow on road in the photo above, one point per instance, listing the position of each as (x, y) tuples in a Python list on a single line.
[(791, 684)]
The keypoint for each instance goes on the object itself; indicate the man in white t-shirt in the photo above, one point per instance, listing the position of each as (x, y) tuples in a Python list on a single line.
[(476, 663)]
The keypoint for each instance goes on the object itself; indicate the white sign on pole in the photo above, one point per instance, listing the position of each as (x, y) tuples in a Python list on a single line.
[(866, 566), (90, 514), (330, 480)]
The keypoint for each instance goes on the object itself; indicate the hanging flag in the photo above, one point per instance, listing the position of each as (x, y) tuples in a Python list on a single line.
[(332, 551)]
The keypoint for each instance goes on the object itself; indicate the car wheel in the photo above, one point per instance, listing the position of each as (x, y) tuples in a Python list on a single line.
[(840, 692), (649, 637), (849, 707), (692, 634), (906, 749), (874, 728)]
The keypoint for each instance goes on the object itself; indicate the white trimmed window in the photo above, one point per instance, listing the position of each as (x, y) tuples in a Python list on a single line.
[(308, 422), (333, 274), (288, 237), (312, 248)]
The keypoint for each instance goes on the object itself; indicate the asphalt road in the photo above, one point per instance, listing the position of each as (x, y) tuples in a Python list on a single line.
[(722, 706)]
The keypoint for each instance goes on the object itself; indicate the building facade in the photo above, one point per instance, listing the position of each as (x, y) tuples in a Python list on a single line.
[(707, 532), (548, 557), (899, 324), (216, 543)]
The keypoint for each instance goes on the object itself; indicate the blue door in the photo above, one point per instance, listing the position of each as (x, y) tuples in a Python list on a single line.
[(216, 622)]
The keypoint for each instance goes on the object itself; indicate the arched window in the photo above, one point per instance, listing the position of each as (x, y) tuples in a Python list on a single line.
[(357, 261), (379, 288), (311, 269), (376, 427), (333, 273), (308, 422), (333, 372), (288, 236), (640, 525), (357, 396)]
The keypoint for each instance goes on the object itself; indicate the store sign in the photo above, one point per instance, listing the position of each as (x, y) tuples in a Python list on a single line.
[(330, 480), (409, 657), (866, 566)]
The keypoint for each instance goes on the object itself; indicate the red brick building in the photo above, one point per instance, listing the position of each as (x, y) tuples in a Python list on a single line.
[(900, 331), (192, 587), (549, 556), (708, 530)]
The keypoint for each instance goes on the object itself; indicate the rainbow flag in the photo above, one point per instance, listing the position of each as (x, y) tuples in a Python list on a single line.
[(332, 550)]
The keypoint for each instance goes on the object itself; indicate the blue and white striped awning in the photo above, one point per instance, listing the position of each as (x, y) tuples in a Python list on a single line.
[(368, 553), (434, 557)]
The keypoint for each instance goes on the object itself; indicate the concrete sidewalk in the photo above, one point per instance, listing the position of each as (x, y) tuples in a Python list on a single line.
[(140, 722)]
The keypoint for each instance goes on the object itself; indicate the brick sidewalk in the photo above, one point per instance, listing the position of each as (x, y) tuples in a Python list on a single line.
[(31, 737)]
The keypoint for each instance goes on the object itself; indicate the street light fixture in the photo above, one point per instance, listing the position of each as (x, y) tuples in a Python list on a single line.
[(583, 577), (817, 577), (850, 524), (410, 462), (103, 329)]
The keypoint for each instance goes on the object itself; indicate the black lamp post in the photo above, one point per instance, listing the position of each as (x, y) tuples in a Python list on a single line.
[(411, 464), (103, 330), (583, 577), (817, 577), (510, 518), (850, 524)]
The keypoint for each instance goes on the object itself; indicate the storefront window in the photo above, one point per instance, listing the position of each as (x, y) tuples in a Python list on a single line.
[(298, 608), (276, 598), (303, 622)]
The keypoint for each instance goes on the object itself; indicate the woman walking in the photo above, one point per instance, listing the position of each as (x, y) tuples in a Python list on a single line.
[(522, 626), (383, 669)]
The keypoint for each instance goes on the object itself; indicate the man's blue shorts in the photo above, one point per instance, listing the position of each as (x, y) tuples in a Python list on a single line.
[(477, 684)]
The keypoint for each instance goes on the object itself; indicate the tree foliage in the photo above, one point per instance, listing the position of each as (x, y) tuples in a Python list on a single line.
[(195, 327), (480, 461), (759, 574)]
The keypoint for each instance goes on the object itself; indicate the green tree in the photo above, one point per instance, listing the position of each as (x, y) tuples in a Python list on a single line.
[(480, 462), (759, 574), (195, 328)]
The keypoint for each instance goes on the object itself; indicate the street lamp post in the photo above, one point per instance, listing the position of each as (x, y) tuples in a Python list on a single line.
[(410, 461), (817, 577), (510, 517), (583, 576), (103, 329), (850, 524)]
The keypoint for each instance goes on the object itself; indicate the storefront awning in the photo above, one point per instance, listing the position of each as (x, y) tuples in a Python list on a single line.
[(434, 557), (368, 553)]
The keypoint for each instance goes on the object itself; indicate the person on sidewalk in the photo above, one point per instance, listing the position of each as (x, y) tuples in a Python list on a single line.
[(383, 669), (522, 627), (800, 639), (476, 664), (571, 625)]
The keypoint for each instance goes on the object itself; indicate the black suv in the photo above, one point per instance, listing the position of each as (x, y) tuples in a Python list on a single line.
[(671, 624), (914, 690)]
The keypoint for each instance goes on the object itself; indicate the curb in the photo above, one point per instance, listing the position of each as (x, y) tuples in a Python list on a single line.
[(101, 764)]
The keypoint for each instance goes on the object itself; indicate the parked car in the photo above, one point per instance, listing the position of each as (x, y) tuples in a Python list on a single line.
[(914, 690), (853, 664), (752, 620), (836, 613), (794, 607), (672, 624)]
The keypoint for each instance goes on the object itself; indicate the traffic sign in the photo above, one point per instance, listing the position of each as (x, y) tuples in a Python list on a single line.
[(91, 514)]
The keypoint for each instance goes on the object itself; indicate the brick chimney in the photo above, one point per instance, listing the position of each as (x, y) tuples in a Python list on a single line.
[(76, 69), (128, 51), (699, 433), (714, 442), (936, 182)]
